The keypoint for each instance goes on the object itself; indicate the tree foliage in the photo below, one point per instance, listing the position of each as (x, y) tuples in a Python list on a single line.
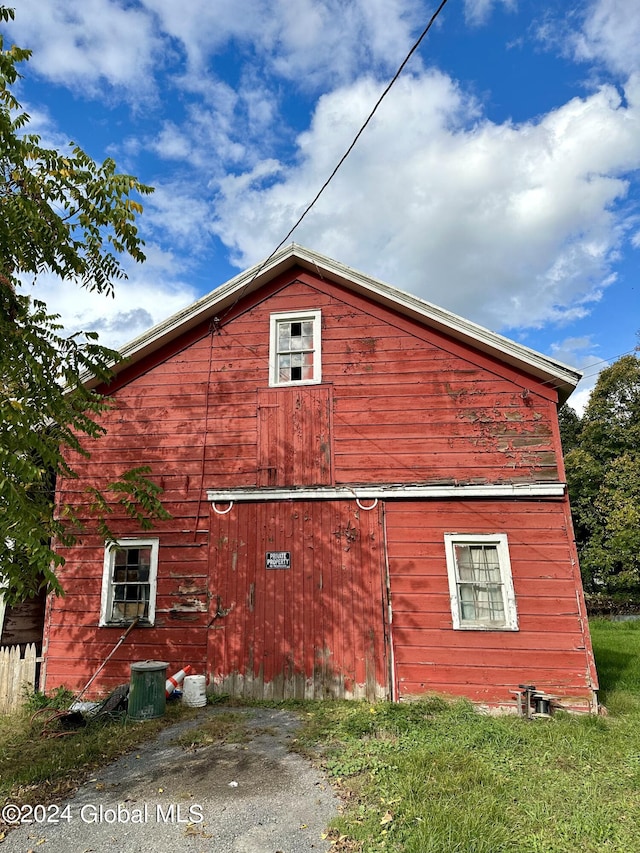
[(603, 474), (62, 213)]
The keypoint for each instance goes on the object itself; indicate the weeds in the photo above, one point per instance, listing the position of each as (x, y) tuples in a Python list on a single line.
[(35, 768), (61, 698), (226, 727)]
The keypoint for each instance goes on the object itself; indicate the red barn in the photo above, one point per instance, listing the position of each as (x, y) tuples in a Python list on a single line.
[(367, 498)]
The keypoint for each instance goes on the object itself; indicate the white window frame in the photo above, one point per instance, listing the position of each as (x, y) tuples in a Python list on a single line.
[(508, 593), (108, 584), (295, 317)]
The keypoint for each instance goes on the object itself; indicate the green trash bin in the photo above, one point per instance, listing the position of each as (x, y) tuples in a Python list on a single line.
[(147, 699)]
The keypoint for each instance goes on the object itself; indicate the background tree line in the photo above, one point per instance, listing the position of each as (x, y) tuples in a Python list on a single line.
[(602, 460)]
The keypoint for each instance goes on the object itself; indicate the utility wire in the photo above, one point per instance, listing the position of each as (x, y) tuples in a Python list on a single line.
[(362, 129), (415, 46), (551, 383)]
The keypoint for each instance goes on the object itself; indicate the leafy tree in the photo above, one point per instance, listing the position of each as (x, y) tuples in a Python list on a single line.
[(611, 422), (603, 474), (570, 426), (60, 212)]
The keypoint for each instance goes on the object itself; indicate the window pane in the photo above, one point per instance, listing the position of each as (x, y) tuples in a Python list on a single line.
[(130, 588), (464, 563), (295, 337), (284, 336), (489, 604), (467, 603), (481, 603), (478, 563)]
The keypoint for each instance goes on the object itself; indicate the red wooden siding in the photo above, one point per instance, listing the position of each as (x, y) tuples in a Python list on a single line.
[(313, 630), (551, 649), (398, 403), (408, 405)]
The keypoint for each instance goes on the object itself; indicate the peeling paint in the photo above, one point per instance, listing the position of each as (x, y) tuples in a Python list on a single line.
[(189, 605)]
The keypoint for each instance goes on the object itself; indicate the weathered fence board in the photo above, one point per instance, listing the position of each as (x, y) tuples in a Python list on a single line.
[(16, 674)]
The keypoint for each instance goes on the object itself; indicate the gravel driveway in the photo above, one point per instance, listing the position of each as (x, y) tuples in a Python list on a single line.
[(250, 797)]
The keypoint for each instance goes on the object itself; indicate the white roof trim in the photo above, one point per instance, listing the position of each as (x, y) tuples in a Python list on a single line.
[(562, 376), (368, 492)]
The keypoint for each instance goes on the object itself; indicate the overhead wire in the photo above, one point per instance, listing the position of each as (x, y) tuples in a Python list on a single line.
[(350, 148), (552, 384)]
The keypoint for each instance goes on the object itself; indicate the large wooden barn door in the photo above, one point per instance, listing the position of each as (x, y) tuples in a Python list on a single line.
[(297, 601)]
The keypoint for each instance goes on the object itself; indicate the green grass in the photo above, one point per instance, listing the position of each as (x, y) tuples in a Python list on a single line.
[(428, 777), (617, 650), (40, 763), (437, 777)]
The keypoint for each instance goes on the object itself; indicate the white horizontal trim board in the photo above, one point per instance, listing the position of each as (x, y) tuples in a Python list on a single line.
[(368, 492)]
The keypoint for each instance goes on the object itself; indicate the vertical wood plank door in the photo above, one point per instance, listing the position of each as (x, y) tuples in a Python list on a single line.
[(294, 446), (297, 601)]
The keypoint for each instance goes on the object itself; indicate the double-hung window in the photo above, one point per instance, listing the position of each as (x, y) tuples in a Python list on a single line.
[(480, 582), (129, 581), (294, 352)]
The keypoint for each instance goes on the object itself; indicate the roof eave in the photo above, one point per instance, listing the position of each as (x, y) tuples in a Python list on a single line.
[(562, 377)]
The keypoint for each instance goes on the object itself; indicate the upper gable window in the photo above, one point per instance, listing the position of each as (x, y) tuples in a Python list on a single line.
[(294, 351)]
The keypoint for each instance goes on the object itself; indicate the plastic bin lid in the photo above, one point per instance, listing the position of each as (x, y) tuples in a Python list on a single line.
[(149, 665)]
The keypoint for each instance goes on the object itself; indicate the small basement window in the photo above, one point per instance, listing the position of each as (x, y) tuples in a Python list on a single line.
[(294, 351), (129, 581), (480, 582)]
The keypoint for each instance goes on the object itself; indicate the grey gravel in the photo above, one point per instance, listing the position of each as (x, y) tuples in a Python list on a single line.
[(252, 797)]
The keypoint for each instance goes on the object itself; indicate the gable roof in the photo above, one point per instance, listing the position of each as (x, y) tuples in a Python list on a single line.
[(548, 370)]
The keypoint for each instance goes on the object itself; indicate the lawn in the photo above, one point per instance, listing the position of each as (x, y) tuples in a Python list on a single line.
[(427, 777), (435, 777)]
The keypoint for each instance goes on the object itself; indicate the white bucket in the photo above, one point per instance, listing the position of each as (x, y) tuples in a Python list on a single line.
[(194, 691)]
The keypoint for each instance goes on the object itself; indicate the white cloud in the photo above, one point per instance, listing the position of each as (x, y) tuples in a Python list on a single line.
[(512, 225), (179, 214), (312, 42), (611, 34), (85, 43), (172, 143), (153, 292), (478, 11)]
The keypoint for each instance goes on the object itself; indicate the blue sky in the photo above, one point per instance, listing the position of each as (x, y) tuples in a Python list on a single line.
[(499, 178)]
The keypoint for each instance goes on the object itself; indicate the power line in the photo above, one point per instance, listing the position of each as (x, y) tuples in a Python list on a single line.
[(404, 62), (362, 129)]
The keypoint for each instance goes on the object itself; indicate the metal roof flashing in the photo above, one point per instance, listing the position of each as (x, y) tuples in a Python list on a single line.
[(561, 376)]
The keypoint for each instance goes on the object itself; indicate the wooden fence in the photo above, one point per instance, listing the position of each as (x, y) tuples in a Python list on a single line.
[(17, 674)]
